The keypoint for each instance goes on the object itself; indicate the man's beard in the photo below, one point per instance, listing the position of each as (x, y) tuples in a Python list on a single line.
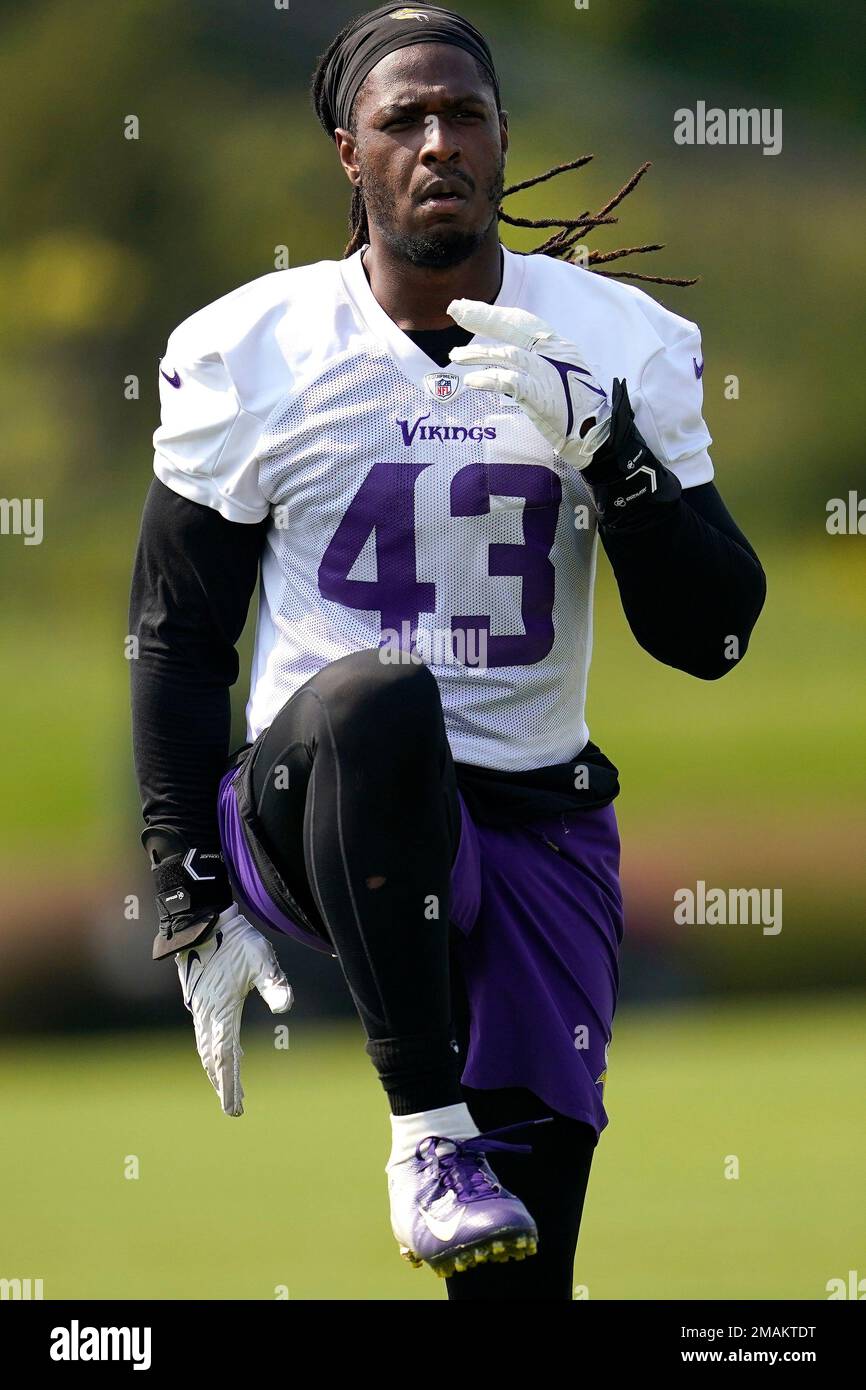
[(439, 248)]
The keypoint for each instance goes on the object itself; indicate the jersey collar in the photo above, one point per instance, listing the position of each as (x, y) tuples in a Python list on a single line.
[(414, 363)]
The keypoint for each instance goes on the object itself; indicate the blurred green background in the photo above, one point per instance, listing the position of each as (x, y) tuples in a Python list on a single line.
[(727, 1041)]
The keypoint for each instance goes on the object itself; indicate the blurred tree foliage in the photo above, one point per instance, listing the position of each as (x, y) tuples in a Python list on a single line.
[(108, 242)]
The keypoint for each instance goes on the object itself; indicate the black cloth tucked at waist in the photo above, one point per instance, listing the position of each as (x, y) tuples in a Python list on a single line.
[(510, 798)]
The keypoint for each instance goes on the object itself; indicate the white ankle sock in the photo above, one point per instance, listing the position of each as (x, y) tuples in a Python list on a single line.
[(452, 1121)]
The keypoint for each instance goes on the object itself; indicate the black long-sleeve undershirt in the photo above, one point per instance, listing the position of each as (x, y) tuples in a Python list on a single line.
[(689, 582), (192, 582)]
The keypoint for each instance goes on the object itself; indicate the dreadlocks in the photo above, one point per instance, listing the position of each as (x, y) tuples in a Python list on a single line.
[(563, 242), (569, 231)]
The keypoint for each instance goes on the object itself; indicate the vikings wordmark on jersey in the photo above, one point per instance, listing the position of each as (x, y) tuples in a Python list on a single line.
[(408, 509)]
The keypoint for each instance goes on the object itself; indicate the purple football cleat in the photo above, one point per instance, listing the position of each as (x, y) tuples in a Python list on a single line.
[(450, 1211)]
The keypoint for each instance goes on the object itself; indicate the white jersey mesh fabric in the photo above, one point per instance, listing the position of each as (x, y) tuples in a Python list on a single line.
[(337, 455), (403, 503)]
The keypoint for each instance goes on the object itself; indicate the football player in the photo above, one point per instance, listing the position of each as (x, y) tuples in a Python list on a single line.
[(416, 449)]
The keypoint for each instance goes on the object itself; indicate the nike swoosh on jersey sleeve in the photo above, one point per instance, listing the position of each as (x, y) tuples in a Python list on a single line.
[(205, 446), (668, 408)]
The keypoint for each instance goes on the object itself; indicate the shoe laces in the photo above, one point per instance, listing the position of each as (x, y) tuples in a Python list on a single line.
[(459, 1171)]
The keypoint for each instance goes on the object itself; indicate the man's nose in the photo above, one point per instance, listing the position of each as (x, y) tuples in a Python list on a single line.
[(440, 140)]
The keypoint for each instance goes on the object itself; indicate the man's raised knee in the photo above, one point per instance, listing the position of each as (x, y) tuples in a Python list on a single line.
[(369, 684)]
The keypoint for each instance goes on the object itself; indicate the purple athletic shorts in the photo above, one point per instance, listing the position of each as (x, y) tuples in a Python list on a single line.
[(538, 909)]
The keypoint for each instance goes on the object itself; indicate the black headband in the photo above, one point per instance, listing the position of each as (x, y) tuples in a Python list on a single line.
[(381, 32)]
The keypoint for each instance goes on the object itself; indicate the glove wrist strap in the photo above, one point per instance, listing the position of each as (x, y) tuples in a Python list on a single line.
[(192, 889), (627, 481)]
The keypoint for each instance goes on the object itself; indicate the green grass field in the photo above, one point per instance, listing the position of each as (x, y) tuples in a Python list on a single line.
[(294, 1193)]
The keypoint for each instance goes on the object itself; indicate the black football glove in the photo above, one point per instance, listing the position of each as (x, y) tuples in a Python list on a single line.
[(626, 480), (192, 889)]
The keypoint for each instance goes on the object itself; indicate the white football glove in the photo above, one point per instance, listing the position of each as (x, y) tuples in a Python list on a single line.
[(543, 373), (216, 977)]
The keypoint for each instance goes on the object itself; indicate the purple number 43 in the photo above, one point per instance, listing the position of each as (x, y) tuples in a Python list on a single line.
[(384, 506)]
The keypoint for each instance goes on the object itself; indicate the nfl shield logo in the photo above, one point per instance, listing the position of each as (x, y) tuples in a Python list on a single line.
[(442, 385)]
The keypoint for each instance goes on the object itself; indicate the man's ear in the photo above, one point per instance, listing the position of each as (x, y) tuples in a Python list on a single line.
[(347, 148), (503, 130)]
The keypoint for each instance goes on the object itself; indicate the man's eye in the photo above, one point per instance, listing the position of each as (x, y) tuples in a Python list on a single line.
[(404, 122)]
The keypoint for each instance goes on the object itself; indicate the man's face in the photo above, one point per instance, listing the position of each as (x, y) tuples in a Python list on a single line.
[(429, 150)]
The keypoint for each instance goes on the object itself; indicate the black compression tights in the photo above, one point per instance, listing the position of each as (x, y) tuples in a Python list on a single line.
[(356, 799)]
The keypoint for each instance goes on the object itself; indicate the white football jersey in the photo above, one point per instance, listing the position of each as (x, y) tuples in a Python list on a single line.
[(408, 509)]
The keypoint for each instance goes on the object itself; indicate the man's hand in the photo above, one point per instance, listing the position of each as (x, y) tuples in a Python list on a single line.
[(626, 480), (216, 976), (543, 373)]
